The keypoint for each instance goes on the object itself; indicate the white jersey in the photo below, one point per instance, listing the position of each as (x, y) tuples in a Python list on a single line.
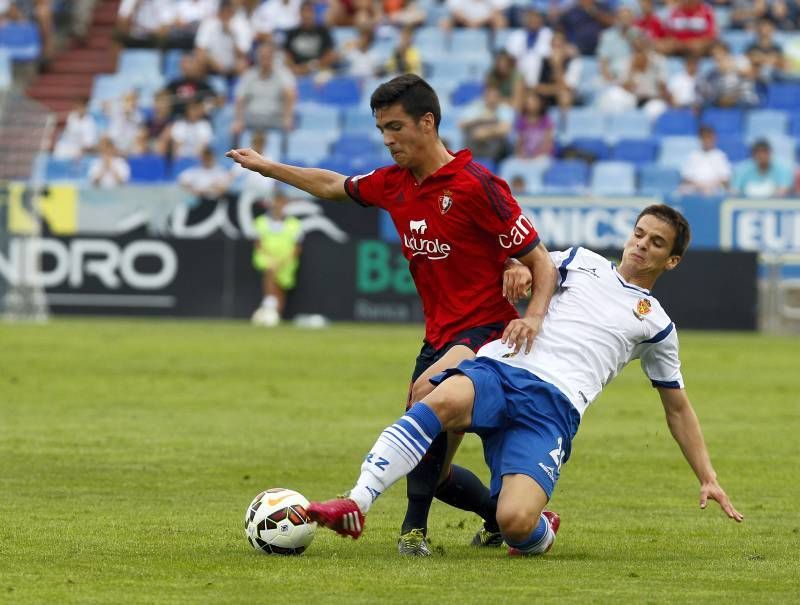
[(596, 323)]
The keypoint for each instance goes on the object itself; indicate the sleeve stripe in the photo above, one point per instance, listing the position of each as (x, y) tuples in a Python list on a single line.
[(562, 270), (661, 335), (527, 248), (351, 189), (666, 384), (490, 188)]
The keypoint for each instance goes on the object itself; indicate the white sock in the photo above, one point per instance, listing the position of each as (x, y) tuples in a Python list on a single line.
[(269, 302), (397, 451)]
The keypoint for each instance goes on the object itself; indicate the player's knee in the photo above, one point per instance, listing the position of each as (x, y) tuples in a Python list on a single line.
[(516, 524)]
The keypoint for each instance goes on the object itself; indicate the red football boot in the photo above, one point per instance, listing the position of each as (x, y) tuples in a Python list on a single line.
[(555, 522), (342, 515)]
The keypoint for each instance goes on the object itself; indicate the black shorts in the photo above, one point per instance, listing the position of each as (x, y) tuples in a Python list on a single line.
[(474, 338)]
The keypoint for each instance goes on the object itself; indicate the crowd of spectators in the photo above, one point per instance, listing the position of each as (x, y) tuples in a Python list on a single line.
[(538, 73)]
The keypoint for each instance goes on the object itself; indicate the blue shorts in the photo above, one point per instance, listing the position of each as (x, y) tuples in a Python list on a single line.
[(525, 423)]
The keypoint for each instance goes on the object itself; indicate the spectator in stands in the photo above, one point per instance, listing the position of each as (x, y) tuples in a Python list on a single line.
[(475, 14), (359, 56), (517, 185), (785, 14), (730, 83), (765, 56), (649, 22), (405, 58), (186, 18), (209, 181), (642, 82), (142, 23), (555, 77), (272, 19), (109, 170), (352, 13), (40, 12), (504, 75), (534, 38), (222, 45), (189, 135), (762, 176), (80, 133), (534, 130), (690, 29), (309, 47), (487, 125), (584, 21), (745, 13), (124, 119), (616, 45), (706, 171), (265, 96), (191, 86), (682, 85), (403, 13), (150, 136), (8, 12)]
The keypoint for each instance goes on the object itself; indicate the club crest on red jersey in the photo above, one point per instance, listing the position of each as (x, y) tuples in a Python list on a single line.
[(642, 308), (445, 201)]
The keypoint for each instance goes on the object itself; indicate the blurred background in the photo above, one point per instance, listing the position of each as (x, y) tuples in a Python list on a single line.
[(116, 197)]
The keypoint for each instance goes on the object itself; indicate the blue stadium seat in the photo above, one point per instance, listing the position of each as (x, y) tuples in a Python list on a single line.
[(455, 68), (309, 145), (613, 178), (316, 116), (178, 165), (337, 163), (590, 77), (566, 175), (471, 40), (358, 119), (147, 168), (593, 146), (107, 87), (430, 41), (172, 64), (737, 39), (452, 136), (307, 89), (139, 60), (487, 163), (675, 122), (526, 168), (67, 170), (675, 149), (343, 35), (628, 125), (658, 180), (723, 121), (584, 122), (760, 122), (734, 147), (340, 90), (783, 95), (21, 41), (466, 92), (352, 145), (635, 151), (6, 74)]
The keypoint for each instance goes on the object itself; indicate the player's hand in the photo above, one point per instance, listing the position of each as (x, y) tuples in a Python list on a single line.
[(712, 490), (521, 332), (516, 282), (248, 158)]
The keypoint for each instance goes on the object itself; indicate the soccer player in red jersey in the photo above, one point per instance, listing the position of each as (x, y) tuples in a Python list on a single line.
[(459, 227)]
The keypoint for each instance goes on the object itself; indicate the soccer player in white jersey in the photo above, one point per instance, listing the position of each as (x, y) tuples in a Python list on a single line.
[(526, 407)]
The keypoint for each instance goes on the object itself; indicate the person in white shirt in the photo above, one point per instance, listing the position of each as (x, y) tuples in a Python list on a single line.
[(125, 120), (526, 405), (275, 17), (143, 23), (534, 39), (191, 134), (222, 42), (209, 180), (80, 133), (707, 170), (109, 170), (476, 13), (682, 85)]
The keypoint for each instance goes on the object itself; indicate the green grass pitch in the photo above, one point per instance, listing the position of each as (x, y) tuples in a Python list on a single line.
[(129, 451)]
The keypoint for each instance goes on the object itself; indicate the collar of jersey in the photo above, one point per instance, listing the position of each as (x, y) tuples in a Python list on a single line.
[(460, 159), (625, 284)]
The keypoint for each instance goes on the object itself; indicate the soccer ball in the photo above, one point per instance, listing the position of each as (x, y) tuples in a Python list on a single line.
[(276, 522)]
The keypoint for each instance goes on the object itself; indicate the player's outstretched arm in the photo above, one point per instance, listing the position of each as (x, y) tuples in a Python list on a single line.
[(685, 428), (325, 184), (522, 332)]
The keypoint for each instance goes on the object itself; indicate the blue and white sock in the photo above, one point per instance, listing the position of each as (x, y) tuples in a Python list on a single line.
[(397, 451), (538, 542)]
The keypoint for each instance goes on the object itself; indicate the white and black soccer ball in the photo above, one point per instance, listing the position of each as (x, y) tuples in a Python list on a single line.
[(276, 522)]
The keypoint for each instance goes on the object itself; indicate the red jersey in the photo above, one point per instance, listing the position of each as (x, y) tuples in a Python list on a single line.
[(457, 228), (652, 26), (691, 23)]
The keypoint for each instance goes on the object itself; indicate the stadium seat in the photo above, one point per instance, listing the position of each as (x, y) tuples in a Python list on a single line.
[(613, 178), (566, 175), (6, 75), (429, 41), (501, 38), (636, 151), (21, 41), (760, 122), (783, 146), (675, 122), (309, 145), (139, 61), (452, 136), (172, 64), (628, 125), (67, 170), (354, 145), (307, 89), (737, 40), (488, 163), (658, 180), (358, 119), (590, 79), (343, 35), (470, 40), (316, 116), (593, 147), (466, 92), (337, 163), (147, 168), (107, 87), (783, 95), (583, 122), (455, 68), (734, 147), (341, 90), (178, 165), (723, 121), (524, 167), (675, 149)]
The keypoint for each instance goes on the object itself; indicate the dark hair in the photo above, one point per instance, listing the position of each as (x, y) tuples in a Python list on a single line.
[(761, 144), (706, 129), (414, 95), (678, 222)]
